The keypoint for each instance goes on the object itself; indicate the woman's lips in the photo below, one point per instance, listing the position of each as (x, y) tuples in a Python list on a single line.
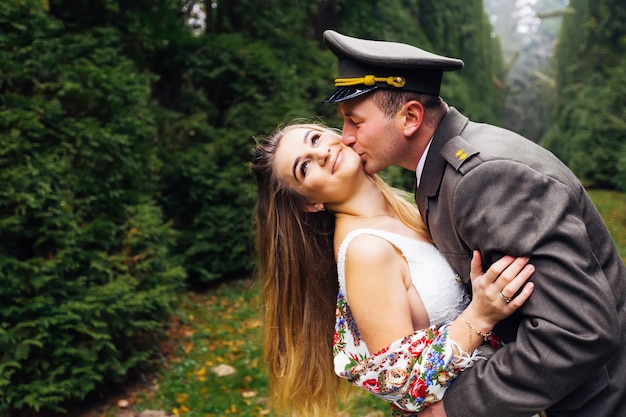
[(337, 158)]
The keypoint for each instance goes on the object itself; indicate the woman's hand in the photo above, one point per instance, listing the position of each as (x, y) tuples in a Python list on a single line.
[(499, 292)]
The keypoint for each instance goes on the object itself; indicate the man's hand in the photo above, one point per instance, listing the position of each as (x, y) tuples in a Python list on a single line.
[(435, 410)]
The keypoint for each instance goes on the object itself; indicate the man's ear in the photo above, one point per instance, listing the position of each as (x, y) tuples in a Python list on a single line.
[(313, 207), (413, 116)]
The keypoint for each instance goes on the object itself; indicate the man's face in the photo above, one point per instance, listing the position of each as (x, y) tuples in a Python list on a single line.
[(373, 135)]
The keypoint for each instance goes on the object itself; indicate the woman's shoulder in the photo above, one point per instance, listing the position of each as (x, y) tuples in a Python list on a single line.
[(369, 246), (373, 252), (361, 239), (379, 238), (364, 250)]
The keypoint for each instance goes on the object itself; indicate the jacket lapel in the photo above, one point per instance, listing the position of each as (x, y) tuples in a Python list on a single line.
[(451, 126)]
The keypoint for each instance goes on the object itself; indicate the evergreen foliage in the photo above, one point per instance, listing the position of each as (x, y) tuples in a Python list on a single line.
[(462, 30), (589, 128), (86, 277), (232, 89)]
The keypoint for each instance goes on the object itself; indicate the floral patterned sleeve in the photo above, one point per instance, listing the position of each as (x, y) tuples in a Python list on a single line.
[(410, 373)]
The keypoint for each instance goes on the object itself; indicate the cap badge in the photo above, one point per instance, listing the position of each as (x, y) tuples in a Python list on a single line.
[(370, 80)]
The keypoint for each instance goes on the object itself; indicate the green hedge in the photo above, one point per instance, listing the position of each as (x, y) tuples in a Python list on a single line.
[(86, 276), (588, 126)]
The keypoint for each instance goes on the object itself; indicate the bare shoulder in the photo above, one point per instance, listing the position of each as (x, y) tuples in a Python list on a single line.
[(372, 261), (370, 250), (376, 287)]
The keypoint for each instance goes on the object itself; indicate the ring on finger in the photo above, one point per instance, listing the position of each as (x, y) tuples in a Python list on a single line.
[(505, 298)]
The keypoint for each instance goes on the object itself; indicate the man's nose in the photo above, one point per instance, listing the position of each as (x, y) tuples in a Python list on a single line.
[(347, 137)]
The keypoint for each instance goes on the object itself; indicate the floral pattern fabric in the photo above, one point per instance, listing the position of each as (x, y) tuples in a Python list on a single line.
[(411, 373)]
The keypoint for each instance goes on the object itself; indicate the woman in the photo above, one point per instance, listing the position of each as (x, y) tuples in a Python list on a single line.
[(326, 230)]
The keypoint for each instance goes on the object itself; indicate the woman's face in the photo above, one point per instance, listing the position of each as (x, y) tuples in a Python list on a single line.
[(317, 165)]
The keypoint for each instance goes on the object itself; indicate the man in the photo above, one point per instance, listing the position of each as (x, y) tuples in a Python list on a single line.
[(486, 188)]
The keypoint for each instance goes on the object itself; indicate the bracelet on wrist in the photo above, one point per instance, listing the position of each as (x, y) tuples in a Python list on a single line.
[(475, 330)]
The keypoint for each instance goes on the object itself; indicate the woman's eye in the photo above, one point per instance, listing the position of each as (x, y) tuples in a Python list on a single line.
[(303, 168), (315, 138)]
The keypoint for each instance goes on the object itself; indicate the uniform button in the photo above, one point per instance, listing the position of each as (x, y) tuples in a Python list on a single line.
[(457, 277)]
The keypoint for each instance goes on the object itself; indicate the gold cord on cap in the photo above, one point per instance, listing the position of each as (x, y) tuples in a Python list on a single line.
[(370, 80)]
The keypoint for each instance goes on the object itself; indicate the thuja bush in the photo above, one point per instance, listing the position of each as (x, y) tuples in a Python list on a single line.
[(85, 271), (591, 142), (232, 88)]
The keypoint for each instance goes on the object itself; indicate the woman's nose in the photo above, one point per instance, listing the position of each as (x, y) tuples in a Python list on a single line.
[(322, 155)]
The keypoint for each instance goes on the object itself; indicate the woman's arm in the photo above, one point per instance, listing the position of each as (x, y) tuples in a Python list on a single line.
[(375, 283), (413, 371)]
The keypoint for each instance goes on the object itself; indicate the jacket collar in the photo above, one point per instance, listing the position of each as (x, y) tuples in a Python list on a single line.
[(452, 124)]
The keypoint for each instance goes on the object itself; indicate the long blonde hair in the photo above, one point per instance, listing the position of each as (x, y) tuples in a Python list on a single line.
[(298, 277)]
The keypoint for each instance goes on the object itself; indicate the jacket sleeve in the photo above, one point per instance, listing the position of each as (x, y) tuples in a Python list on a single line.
[(410, 373), (568, 328)]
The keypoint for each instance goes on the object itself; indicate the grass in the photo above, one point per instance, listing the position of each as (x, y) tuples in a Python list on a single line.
[(222, 327), (219, 328), (612, 207), (215, 330)]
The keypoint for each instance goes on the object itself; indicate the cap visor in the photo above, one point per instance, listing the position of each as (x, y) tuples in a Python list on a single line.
[(347, 93)]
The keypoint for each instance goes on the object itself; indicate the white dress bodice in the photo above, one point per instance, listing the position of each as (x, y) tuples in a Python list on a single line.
[(440, 289)]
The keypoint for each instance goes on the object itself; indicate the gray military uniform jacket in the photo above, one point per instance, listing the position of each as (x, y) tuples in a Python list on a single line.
[(490, 189)]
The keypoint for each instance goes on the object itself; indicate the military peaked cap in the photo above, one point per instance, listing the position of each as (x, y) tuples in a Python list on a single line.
[(367, 65)]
